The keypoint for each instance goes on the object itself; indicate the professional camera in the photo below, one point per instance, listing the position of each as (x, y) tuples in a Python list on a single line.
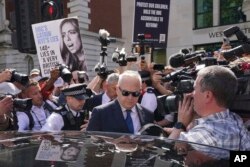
[(65, 73), (235, 30), (244, 48), (19, 104), (183, 79), (101, 67), (120, 57), (102, 71), (104, 38), (159, 67), (22, 104), (142, 46), (170, 103), (18, 77), (182, 74), (234, 53), (82, 76), (186, 58)]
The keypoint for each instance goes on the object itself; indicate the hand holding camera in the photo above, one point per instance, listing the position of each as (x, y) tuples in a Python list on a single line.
[(6, 105), (185, 109), (5, 75)]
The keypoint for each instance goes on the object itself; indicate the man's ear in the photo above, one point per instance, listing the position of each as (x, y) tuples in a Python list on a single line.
[(105, 85), (117, 89), (209, 96)]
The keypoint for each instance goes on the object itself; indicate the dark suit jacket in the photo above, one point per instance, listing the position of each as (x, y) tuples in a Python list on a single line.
[(93, 102), (109, 118)]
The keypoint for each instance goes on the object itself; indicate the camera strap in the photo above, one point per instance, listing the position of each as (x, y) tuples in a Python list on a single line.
[(31, 119)]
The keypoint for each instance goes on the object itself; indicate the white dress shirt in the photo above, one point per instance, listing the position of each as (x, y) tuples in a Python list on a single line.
[(39, 115), (135, 118), (105, 98)]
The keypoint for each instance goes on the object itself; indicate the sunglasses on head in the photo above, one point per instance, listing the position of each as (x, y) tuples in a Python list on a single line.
[(127, 93)]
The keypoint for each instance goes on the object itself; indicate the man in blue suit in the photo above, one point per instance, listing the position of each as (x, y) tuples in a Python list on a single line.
[(124, 114)]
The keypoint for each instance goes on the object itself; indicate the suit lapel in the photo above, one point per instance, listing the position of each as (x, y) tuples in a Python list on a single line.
[(140, 114), (99, 99)]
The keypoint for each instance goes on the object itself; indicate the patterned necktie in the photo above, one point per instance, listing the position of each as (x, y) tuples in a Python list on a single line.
[(129, 121)]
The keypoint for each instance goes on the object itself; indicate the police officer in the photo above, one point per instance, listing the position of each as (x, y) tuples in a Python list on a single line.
[(71, 115), (149, 95), (148, 98)]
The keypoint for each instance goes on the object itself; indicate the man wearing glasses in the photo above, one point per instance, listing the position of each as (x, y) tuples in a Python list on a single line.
[(124, 114)]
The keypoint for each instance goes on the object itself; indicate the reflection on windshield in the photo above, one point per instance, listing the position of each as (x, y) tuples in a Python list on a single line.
[(101, 149)]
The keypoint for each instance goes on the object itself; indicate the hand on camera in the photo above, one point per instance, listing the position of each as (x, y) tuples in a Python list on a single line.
[(54, 73), (6, 105), (185, 111), (5, 75), (156, 78)]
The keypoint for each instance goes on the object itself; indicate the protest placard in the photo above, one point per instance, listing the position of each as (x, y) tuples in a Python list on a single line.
[(59, 42)]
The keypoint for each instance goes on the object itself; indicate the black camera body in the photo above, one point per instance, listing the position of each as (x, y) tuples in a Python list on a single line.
[(244, 48), (170, 103), (102, 71), (82, 76), (19, 104), (18, 77), (65, 73), (22, 104), (185, 58), (232, 54), (159, 67), (120, 57)]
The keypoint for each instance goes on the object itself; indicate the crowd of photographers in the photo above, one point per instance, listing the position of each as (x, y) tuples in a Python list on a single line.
[(189, 100)]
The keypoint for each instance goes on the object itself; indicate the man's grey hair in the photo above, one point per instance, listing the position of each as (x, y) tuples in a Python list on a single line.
[(131, 74), (221, 81), (112, 78)]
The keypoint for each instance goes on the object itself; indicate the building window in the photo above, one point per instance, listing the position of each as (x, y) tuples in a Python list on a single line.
[(30, 63), (203, 13), (231, 12)]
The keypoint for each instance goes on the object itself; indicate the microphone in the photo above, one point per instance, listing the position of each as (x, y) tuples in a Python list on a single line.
[(179, 59), (176, 60)]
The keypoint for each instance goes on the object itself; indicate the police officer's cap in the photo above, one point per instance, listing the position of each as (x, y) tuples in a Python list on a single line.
[(145, 75), (76, 90)]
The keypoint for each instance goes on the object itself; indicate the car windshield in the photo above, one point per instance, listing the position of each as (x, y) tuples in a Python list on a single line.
[(73, 148)]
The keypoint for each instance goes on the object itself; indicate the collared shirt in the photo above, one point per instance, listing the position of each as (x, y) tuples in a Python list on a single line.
[(224, 129), (105, 98), (134, 116), (39, 115)]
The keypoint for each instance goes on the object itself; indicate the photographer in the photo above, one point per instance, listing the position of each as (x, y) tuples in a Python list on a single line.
[(40, 110), (157, 80), (6, 105), (214, 90)]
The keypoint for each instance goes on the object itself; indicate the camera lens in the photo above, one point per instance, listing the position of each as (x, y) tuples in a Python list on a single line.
[(172, 103)]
